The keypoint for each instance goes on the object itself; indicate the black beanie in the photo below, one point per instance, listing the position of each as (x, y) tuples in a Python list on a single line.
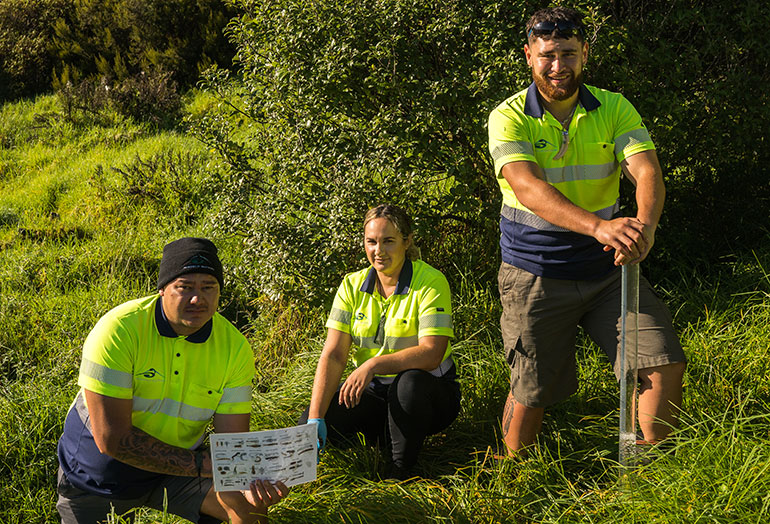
[(189, 255)]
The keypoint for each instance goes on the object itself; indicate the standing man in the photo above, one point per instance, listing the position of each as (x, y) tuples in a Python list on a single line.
[(155, 372), (559, 147)]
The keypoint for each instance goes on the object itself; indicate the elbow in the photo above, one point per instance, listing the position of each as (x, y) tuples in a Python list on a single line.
[(333, 359), (435, 356), (105, 447), (107, 442), (435, 362), (525, 197), (534, 203)]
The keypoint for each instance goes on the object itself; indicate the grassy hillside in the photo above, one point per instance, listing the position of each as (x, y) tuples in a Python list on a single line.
[(85, 208)]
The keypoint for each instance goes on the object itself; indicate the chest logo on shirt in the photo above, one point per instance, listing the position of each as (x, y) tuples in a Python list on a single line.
[(360, 316), (542, 143), (150, 373)]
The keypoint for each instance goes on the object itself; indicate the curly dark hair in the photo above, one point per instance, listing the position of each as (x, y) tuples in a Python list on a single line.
[(555, 15)]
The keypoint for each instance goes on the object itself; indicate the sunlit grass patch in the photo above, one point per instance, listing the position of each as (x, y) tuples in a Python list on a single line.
[(84, 213)]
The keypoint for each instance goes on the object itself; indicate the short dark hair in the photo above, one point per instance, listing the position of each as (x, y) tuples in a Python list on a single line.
[(555, 15)]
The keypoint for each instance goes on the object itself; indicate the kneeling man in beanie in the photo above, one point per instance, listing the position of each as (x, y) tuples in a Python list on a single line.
[(155, 372)]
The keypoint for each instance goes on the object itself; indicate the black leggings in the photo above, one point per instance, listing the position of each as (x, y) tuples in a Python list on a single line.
[(416, 404)]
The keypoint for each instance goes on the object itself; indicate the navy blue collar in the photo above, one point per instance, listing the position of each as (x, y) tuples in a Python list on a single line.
[(404, 280), (534, 107), (165, 329)]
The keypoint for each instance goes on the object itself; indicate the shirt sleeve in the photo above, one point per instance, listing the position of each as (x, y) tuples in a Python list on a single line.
[(509, 138), (236, 394), (107, 364), (341, 313), (435, 308), (631, 135)]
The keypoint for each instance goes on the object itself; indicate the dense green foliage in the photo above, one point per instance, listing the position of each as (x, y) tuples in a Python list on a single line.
[(85, 208), (69, 41), (349, 105), (336, 107), (26, 32), (345, 106), (698, 73), (120, 38), (150, 97)]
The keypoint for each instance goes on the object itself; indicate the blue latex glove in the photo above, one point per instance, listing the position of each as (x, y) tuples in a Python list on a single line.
[(321, 425)]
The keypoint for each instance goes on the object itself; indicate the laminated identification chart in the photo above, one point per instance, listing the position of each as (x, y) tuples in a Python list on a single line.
[(287, 454)]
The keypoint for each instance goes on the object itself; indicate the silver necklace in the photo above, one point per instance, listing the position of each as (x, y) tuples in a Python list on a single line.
[(565, 134)]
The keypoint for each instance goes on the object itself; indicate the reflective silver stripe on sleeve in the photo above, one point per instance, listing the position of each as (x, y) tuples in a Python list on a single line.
[(234, 395), (106, 375), (172, 408), (436, 321), (526, 218), (556, 175), (340, 315), (512, 148), (631, 139)]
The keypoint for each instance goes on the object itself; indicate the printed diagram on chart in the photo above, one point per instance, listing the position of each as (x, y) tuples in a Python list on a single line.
[(287, 454)]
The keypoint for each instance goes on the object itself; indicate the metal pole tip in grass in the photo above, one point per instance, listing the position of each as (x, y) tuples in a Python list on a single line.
[(629, 328)]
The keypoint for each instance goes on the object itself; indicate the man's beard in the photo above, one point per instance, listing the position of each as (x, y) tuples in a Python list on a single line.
[(557, 93)]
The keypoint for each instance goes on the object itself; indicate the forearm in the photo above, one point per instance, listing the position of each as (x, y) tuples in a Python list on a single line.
[(415, 357), (141, 450), (549, 203), (427, 356), (116, 436), (644, 171), (626, 235), (327, 377), (650, 197)]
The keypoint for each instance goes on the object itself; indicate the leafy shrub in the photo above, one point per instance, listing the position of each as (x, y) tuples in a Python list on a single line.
[(340, 106), (698, 76), (146, 97), (26, 30), (73, 40), (350, 105), (122, 38), (87, 95), (151, 97), (168, 180)]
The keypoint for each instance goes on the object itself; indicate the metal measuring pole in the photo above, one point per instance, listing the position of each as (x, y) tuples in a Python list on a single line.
[(629, 329)]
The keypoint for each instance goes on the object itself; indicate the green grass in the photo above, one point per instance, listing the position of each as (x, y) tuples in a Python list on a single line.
[(85, 208)]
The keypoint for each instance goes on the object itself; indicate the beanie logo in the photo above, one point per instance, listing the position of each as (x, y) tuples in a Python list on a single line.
[(198, 261)]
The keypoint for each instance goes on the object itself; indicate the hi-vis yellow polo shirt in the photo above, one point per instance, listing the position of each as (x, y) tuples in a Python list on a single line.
[(177, 384), (420, 306), (604, 130)]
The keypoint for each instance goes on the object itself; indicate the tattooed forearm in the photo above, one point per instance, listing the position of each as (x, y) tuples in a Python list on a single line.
[(508, 413), (144, 451)]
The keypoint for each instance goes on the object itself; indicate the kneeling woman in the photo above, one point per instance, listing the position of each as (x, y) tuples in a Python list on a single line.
[(398, 315)]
